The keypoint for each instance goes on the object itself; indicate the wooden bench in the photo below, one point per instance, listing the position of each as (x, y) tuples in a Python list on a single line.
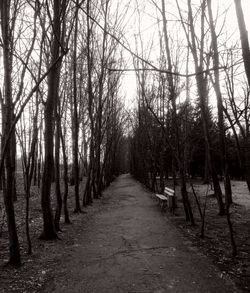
[(167, 199), (163, 200), (171, 199)]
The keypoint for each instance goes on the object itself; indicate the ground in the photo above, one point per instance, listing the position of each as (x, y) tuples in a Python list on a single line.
[(124, 243), (216, 243)]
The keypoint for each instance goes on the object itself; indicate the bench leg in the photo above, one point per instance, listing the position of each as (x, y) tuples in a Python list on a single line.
[(163, 205), (172, 203), (172, 210)]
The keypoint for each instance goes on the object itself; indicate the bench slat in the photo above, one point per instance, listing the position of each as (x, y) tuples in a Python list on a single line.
[(169, 194), (161, 196), (168, 190), (168, 198)]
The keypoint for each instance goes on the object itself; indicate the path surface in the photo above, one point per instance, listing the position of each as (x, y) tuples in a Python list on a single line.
[(130, 246)]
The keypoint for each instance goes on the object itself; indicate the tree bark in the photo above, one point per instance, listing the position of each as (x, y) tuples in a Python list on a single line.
[(216, 83), (179, 152), (243, 38), (57, 171), (75, 119), (65, 179), (225, 168), (87, 197), (246, 59), (14, 253), (201, 80), (49, 118)]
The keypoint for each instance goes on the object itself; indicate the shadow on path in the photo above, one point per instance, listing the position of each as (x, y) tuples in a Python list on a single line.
[(129, 246)]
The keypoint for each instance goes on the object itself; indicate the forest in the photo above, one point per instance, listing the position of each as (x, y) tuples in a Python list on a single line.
[(72, 120)]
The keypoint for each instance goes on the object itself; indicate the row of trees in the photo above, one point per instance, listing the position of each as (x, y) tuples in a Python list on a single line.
[(59, 103), (61, 65), (177, 126)]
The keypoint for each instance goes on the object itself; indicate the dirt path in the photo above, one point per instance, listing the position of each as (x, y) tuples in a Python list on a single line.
[(130, 246)]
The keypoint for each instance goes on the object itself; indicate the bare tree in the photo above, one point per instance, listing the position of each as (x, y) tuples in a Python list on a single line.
[(202, 86), (246, 60), (8, 117), (243, 38), (75, 128), (216, 83), (173, 96), (59, 8)]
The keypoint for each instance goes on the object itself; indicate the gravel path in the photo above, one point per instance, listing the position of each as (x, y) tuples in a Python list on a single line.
[(130, 246)]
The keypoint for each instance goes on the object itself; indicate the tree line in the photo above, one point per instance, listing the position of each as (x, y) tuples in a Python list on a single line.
[(60, 104), (62, 64), (194, 123)]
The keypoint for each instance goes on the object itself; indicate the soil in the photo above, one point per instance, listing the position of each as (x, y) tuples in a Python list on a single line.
[(84, 252), (216, 242), (37, 268)]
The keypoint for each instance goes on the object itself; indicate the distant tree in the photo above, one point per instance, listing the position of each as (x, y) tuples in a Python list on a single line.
[(75, 127)]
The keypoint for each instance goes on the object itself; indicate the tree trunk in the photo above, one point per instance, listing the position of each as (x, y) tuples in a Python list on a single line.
[(65, 179), (87, 198), (75, 120), (201, 80), (246, 60), (7, 114), (179, 156), (243, 38), (13, 160), (29, 163), (49, 118), (35, 169), (206, 176), (27, 227), (223, 149), (246, 160), (57, 171)]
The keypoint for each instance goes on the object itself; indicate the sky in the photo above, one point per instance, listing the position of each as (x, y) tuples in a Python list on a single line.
[(142, 20)]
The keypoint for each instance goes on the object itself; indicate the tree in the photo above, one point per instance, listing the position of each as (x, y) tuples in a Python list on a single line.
[(8, 117), (75, 128), (173, 93), (246, 60), (57, 51), (202, 87), (223, 149), (243, 38), (28, 162)]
